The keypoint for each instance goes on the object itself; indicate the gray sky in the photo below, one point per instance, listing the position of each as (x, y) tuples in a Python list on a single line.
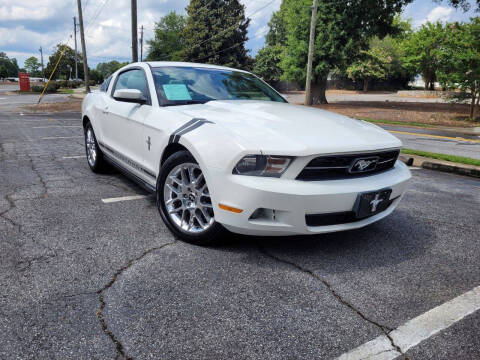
[(26, 24)]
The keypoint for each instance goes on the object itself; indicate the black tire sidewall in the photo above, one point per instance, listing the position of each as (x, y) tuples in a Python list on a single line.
[(206, 238)]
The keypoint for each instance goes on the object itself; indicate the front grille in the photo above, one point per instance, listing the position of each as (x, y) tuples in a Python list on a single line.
[(334, 167)]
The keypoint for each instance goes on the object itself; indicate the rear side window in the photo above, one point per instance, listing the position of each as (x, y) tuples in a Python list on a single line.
[(105, 84)]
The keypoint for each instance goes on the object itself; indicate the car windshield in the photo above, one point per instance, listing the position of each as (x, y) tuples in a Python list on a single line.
[(197, 85)]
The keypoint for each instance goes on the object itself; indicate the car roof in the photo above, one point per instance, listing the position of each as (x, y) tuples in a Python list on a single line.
[(189, 64)]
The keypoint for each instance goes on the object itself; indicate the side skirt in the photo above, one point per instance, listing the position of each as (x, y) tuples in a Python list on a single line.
[(129, 174)]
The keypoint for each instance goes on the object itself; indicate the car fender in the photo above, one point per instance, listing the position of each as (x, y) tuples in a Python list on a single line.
[(214, 146)]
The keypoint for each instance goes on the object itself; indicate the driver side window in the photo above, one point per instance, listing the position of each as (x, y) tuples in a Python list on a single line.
[(133, 79)]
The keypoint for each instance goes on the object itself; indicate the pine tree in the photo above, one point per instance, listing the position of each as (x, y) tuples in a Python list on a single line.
[(216, 33)]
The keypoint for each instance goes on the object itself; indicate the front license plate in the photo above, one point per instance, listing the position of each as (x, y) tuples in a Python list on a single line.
[(369, 204)]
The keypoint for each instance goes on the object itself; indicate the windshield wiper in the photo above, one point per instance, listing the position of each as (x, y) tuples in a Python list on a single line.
[(187, 102)]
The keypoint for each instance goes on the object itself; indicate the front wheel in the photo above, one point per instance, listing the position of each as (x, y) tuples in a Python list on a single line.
[(184, 201)]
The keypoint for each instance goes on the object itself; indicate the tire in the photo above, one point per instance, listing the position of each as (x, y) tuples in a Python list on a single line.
[(184, 202), (94, 154)]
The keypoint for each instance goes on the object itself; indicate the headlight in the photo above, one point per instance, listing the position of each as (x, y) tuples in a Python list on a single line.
[(262, 165)]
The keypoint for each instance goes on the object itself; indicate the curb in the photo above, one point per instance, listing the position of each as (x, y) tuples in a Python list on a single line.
[(440, 165), (452, 169)]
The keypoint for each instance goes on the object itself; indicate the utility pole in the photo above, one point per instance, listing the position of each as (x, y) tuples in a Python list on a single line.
[(75, 35), (134, 32), (84, 49), (311, 45), (141, 44), (41, 59)]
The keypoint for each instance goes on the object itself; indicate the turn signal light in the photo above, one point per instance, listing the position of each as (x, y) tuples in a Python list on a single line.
[(230, 208)]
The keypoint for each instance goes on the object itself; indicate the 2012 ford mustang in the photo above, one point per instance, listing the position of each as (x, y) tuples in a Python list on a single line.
[(224, 150)]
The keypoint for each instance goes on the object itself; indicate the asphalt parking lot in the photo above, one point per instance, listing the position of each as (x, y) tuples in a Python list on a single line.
[(82, 278)]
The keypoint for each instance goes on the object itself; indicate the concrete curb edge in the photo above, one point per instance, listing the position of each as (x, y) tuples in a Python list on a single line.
[(440, 165)]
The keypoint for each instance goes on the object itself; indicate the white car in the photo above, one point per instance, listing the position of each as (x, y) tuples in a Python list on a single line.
[(223, 150)]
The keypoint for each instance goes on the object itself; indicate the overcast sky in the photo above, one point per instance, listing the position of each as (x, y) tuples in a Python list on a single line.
[(25, 25)]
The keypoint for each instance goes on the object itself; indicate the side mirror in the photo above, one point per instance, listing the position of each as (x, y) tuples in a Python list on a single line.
[(130, 95)]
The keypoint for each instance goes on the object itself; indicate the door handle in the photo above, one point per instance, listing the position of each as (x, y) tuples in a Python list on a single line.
[(105, 110)]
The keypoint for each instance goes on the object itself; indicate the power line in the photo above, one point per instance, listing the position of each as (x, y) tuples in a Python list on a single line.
[(218, 52), (96, 15)]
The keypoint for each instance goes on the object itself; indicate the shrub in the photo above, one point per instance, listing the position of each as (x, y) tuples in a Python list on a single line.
[(36, 88)]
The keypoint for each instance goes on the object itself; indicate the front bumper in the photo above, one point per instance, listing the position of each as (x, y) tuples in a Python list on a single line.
[(292, 200)]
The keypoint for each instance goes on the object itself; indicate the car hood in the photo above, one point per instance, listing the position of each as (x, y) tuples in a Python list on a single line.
[(287, 129)]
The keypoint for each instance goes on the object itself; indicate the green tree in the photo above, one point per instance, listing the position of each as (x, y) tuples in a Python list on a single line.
[(33, 66), (3, 72), (68, 59), (216, 33), (384, 59), (168, 44), (108, 68), (95, 75), (277, 33), (267, 61), (460, 62), (343, 31), (10, 65), (373, 64), (422, 52), (464, 4)]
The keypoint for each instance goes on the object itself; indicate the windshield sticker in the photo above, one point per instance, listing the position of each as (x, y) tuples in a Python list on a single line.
[(176, 92)]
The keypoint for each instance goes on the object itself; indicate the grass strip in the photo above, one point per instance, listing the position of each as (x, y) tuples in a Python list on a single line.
[(393, 122), (65, 91), (452, 158)]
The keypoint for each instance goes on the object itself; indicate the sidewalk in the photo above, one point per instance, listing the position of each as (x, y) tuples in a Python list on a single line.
[(79, 93)]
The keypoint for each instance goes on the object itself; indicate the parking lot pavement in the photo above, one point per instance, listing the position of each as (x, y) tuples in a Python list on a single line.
[(82, 278)]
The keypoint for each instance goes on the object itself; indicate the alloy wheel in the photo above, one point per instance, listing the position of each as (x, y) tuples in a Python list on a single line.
[(187, 199), (91, 147)]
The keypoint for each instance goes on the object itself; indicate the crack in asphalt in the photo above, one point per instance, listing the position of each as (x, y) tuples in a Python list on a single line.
[(11, 206), (119, 346), (30, 261), (40, 177), (2, 152), (383, 328)]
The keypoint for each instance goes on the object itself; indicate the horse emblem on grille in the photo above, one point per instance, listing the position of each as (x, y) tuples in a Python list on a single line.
[(364, 165)]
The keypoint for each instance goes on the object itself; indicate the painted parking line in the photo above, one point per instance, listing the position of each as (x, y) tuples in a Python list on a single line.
[(435, 136), (56, 126), (61, 137), (75, 157), (123, 198), (414, 331), (414, 168)]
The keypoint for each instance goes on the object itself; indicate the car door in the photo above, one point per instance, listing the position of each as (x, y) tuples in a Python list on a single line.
[(101, 103), (123, 122)]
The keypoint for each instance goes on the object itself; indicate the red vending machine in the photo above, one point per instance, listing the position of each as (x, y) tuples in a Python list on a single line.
[(24, 80)]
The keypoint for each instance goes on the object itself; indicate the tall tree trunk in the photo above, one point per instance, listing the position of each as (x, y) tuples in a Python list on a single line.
[(426, 79), (318, 92), (473, 105), (365, 85)]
